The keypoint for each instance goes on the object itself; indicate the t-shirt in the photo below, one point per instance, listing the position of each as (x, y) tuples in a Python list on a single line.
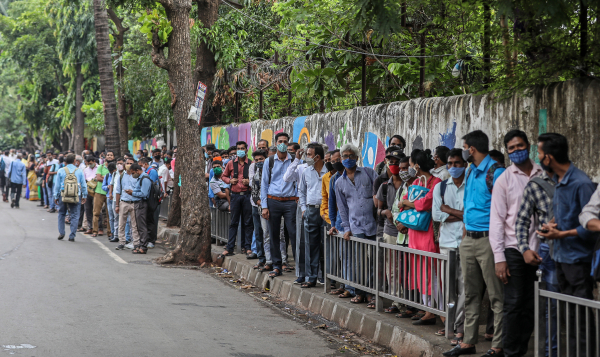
[(388, 227), (376, 185), (102, 170), (217, 185)]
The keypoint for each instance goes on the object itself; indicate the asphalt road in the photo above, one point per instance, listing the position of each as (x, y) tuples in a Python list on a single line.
[(59, 298)]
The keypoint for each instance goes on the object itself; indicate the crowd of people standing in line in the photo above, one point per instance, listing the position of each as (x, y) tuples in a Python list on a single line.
[(504, 223)]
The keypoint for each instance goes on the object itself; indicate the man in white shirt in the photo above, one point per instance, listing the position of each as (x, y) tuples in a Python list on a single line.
[(293, 174), (5, 161)]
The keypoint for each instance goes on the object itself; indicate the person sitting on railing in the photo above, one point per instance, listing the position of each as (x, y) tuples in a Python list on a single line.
[(448, 209), (355, 189), (219, 187), (422, 163)]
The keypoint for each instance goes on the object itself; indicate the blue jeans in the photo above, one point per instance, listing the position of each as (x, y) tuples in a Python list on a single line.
[(74, 217), (313, 233), (111, 216), (549, 276), (259, 238), (51, 197)]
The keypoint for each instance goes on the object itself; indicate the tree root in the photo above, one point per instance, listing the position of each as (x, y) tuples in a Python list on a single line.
[(170, 257)]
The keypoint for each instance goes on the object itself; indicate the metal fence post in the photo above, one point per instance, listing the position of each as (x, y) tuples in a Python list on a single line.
[(326, 242), (379, 275), (451, 295), (540, 319)]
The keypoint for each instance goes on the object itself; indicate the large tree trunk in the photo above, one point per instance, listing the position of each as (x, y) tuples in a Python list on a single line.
[(107, 85), (122, 104), (195, 215), (78, 125)]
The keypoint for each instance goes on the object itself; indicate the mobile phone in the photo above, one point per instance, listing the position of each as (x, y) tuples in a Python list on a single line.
[(544, 230)]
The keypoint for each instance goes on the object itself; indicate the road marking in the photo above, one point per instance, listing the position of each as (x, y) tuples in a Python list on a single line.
[(112, 255)]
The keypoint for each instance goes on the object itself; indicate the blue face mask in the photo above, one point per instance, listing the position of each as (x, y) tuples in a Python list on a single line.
[(241, 153), (205, 155), (37, 155), (349, 163), (259, 165), (519, 156), (456, 172)]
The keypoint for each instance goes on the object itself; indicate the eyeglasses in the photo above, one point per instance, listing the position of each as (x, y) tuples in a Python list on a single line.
[(353, 157)]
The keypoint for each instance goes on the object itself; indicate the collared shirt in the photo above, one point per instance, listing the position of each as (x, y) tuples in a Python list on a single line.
[(478, 198), (152, 173), (106, 183), (591, 210), (228, 175), (334, 212), (536, 203), (506, 200), (218, 186), (17, 172), (388, 226), (278, 187), (7, 161), (124, 183), (60, 181), (141, 187), (309, 189), (450, 232), (359, 196), (572, 193), (294, 171), (90, 174), (251, 174), (325, 197)]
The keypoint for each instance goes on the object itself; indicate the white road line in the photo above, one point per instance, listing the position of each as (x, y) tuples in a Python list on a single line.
[(112, 255)]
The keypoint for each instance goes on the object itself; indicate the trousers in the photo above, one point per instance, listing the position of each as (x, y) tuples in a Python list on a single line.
[(277, 210)]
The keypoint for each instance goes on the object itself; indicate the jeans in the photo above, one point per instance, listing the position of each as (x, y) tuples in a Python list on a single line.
[(299, 248), (111, 216), (241, 210), (259, 235), (313, 232), (548, 268), (277, 210), (52, 204), (15, 192), (73, 214), (519, 304)]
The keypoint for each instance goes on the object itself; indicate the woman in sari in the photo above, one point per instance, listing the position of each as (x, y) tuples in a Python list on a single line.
[(32, 189)]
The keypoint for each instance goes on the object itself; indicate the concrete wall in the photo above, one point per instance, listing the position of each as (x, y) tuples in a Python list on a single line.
[(571, 108)]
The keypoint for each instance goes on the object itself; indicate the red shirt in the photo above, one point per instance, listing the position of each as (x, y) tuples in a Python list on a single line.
[(228, 173)]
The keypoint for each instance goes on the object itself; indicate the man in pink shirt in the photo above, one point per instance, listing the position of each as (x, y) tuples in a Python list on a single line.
[(517, 276)]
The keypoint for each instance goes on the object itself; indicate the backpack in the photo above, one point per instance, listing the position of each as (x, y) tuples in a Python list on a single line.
[(489, 177), (549, 189), (70, 192), (154, 196), (246, 168)]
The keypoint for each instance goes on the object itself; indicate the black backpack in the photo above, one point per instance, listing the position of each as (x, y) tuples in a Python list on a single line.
[(154, 196)]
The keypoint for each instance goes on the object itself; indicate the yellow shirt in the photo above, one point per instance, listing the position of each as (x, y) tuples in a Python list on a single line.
[(325, 195)]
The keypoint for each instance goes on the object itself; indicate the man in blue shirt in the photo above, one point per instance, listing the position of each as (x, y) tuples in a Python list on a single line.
[(73, 208), (477, 257), (278, 199), (152, 217), (573, 243), (141, 191), (18, 179), (124, 204)]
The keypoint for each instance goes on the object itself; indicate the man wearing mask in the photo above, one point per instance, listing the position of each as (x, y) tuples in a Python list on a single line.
[(157, 159), (18, 178), (113, 217), (112, 169), (73, 208), (382, 179), (125, 203), (397, 141), (52, 166), (100, 196), (310, 195), (90, 178), (261, 145), (151, 217), (261, 229), (141, 191), (117, 178), (334, 156), (5, 161), (237, 175), (220, 188)]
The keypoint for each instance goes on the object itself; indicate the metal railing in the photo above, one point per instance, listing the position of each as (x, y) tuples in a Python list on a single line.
[(572, 322), (164, 207), (219, 227), (416, 278)]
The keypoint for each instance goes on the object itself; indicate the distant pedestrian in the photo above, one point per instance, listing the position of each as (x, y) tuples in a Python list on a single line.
[(70, 190), (17, 176)]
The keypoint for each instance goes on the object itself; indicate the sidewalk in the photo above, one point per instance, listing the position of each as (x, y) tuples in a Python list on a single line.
[(400, 335)]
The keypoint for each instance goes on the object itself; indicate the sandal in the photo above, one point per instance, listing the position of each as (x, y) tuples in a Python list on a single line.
[(418, 316), (358, 299), (337, 291), (266, 267), (405, 315), (286, 268), (392, 309), (135, 250), (441, 332), (371, 304), (346, 294), (456, 341), (258, 266), (274, 273), (308, 285), (94, 235), (224, 254)]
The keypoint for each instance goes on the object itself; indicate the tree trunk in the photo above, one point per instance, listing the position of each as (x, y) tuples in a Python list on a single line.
[(78, 125), (64, 145), (505, 43), (195, 215), (122, 104), (107, 86), (583, 43), (487, 18)]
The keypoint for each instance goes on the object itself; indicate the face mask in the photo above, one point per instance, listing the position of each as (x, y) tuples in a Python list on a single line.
[(465, 154), (310, 161), (120, 167), (218, 171), (404, 175), (546, 168), (137, 157), (349, 163), (329, 166), (241, 153), (135, 175), (412, 172), (282, 147), (259, 165), (157, 157), (225, 161), (338, 166), (37, 155), (394, 169), (519, 156), (456, 172), (127, 167), (205, 155)]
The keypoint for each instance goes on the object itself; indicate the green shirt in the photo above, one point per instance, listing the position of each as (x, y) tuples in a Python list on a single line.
[(103, 171)]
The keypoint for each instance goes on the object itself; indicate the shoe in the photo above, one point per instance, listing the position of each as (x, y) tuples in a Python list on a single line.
[(17, 207), (42, 205), (129, 246), (321, 281), (114, 240), (150, 245), (51, 210), (252, 256), (120, 247), (60, 237), (12, 204), (492, 353), (71, 239), (421, 322), (457, 351), (89, 231), (300, 281)]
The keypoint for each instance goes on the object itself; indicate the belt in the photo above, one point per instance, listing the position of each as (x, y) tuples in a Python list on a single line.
[(128, 201), (243, 193), (477, 235), (292, 198), (314, 206)]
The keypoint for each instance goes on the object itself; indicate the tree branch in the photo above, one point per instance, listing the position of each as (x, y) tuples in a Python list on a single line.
[(173, 95), (158, 54), (116, 20)]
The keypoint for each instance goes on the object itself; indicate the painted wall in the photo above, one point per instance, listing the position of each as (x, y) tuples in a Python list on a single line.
[(571, 108)]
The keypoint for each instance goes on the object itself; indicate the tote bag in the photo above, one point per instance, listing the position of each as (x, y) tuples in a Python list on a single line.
[(413, 219)]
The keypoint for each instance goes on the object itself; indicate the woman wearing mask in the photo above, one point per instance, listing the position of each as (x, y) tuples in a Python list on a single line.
[(32, 190), (440, 159), (421, 165)]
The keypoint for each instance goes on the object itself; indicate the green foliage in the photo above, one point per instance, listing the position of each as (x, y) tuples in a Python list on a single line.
[(156, 22)]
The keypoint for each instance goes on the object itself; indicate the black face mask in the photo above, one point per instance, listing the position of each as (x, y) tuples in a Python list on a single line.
[(546, 167), (293, 156), (329, 166), (157, 157), (338, 166)]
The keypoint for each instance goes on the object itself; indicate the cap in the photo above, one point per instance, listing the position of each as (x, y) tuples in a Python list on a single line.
[(396, 154)]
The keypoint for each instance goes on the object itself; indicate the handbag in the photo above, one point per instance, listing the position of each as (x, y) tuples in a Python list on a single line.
[(39, 181), (413, 219), (91, 186)]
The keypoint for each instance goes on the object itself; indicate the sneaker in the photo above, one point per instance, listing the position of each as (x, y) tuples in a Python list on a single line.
[(60, 237), (150, 245), (120, 247), (129, 246), (299, 280), (51, 210), (321, 281)]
